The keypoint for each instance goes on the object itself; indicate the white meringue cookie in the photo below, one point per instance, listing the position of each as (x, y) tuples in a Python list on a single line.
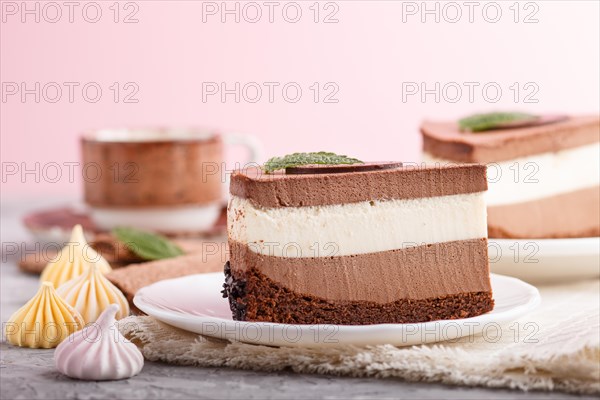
[(99, 352), (91, 292)]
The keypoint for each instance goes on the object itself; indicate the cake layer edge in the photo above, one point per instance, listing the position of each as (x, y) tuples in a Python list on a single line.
[(573, 214), (356, 228), (257, 298), (286, 190), (418, 272)]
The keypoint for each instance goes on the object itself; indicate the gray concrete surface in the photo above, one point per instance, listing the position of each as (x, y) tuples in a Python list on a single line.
[(30, 374)]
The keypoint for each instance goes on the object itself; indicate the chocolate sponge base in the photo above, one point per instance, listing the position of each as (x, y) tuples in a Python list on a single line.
[(255, 297)]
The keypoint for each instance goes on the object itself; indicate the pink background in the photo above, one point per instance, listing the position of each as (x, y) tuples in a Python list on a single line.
[(368, 53)]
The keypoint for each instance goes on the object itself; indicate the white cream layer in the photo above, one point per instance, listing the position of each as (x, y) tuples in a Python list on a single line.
[(356, 228), (540, 175)]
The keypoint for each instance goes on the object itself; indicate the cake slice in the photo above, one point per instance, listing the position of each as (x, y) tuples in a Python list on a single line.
[(543, 173), (358, 244)]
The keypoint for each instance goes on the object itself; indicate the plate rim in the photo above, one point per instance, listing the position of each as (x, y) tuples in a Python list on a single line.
[(532, 293), (563, 247)]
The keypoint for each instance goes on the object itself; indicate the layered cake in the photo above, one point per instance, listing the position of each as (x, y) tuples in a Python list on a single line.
[(543, 171), (358, 244)]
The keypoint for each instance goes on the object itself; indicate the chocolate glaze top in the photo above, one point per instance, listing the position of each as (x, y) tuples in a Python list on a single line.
[(405, 182), (445, 140), (338, 168)]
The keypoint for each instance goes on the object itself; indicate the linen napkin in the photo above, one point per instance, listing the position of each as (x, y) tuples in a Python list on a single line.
[(556, 347)]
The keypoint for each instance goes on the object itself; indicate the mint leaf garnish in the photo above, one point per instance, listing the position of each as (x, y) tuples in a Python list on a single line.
[(495, 120), (147, 245), (296, 159)]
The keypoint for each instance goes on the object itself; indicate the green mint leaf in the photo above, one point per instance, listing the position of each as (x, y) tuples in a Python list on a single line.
[(296, 159), (147, 245), (495, 120)]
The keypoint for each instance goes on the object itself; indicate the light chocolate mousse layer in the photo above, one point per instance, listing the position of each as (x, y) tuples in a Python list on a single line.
[(368, 277), (572, 214)]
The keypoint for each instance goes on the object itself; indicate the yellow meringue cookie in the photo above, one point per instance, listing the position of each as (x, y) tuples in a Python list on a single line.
[(44, 322), (91, 293), (73, 260)]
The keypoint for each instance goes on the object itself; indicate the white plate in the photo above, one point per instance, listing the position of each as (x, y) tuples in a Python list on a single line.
[(194, 303), (546, 260)]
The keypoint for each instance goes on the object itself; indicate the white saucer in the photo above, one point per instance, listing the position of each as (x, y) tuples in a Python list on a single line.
[(546, 260), (195, 218), (194, 303)]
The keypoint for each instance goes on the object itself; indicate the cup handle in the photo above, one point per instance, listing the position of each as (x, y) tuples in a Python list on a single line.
[(250, 142), (254, 148)]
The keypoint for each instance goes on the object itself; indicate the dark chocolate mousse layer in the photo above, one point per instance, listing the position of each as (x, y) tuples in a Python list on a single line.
[(445, 140), (573, 214), (416, 272), (254, 297), (406, 182)]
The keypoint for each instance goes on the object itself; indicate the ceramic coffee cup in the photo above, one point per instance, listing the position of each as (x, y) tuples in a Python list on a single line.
[(158, 179)]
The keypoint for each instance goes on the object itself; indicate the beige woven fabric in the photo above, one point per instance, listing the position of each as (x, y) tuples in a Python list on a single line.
[(556, 347)]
